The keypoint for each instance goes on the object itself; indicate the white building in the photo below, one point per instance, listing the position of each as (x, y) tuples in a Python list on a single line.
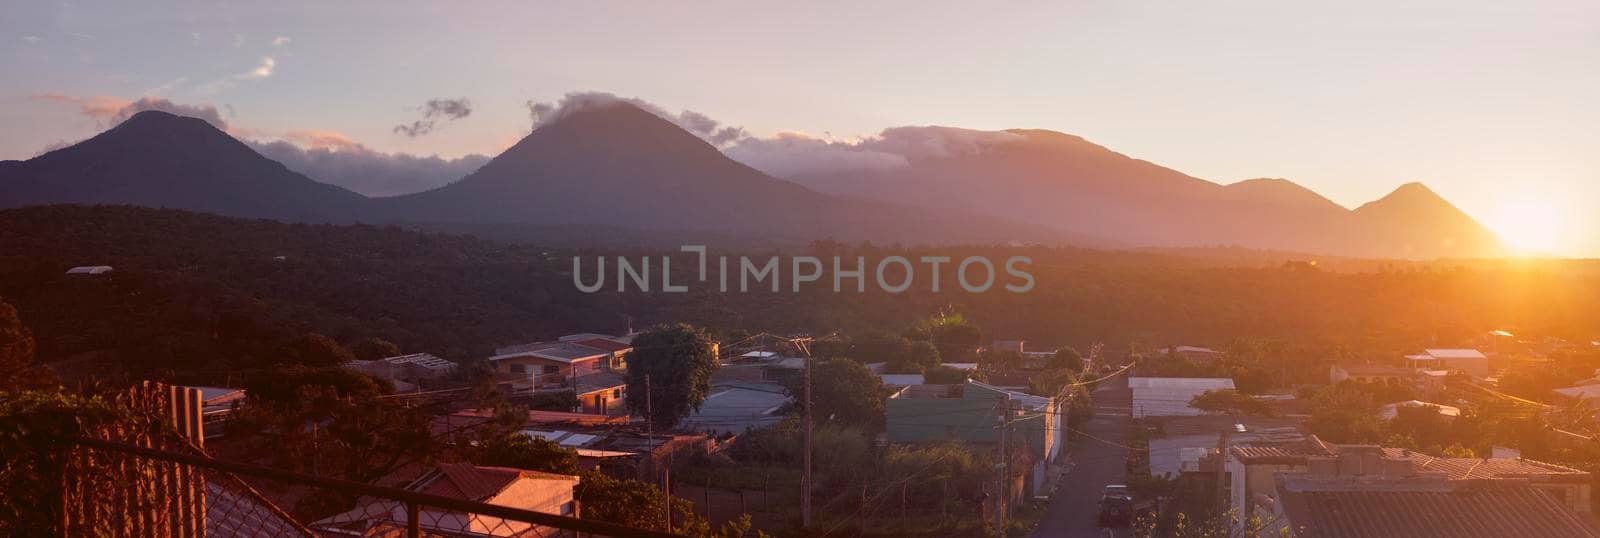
[(1169, 396)]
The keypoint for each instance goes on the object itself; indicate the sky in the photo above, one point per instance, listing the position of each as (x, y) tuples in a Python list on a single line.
[(1491, 104)]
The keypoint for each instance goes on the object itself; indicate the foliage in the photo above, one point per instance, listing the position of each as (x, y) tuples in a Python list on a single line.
[(564, 400), (325, 431), (842, 392), (635, 504), (371, 349), (282, 384), (944, 375), (520, 451), (902, 355), (1346, 413), (1231, 402), (32, 426), (17, 367), (1051, 382), (1066, 358), (669, 373), (317, 350)]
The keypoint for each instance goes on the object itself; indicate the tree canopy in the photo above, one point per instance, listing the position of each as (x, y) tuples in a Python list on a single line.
[(669, 373)]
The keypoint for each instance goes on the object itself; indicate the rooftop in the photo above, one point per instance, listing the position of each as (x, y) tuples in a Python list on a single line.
[(474, 483), (1204, 383), (555, 351), (1455, 354), (424, 360), (1471, 509)]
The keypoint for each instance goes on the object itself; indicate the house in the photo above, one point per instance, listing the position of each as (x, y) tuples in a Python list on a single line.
[(1587, 392), (549, 493), (412, 369), (1368, 373), (1388, 412), (1254, 469), (971, 412), (1169, 396), (1470, 361), (603, 392), (550, 363), (1343, 498), (90, 270), (735, 407)]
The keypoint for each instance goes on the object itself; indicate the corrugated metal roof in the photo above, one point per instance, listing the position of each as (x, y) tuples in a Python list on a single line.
[(1469, 511), (1455, 353), (1208, 383)]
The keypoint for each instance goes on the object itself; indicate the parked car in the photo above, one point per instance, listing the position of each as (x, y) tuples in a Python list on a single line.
[(1116, 506)]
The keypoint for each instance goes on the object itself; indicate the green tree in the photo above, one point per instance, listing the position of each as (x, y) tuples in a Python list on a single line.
[(17, 367), (844, 392), (669, 373), (519, 451), (1068, 359), (944, 375), (371, 349), (317, 350), (1229, 401)]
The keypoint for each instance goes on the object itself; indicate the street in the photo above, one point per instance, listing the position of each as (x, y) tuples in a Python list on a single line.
[(1096, 463)]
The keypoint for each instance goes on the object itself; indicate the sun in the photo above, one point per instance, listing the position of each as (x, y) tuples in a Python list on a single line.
[(1529, 226)]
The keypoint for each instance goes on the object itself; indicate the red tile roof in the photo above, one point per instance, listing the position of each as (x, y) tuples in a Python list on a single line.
[(1472, 510), (475, 483)]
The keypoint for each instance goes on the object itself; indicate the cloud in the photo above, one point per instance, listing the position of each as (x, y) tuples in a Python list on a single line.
[(265, 68), (795, 154), (31, 39), (109, 111), (331, 157), (434, 111), (262, 70), (699, 124), (280, 41)]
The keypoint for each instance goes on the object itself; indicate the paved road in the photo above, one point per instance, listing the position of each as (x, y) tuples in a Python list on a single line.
[(1072, 510)]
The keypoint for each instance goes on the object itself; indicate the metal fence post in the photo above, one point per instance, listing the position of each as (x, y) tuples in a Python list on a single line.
[(413, 520)]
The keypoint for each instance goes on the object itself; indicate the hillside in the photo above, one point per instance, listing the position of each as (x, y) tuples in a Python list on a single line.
[(1066, 182), (620, 166), (193, 293), (156, 159)]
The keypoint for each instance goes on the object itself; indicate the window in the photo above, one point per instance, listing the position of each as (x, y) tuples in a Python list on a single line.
[(616, 393), (551, 369), (518, 368)]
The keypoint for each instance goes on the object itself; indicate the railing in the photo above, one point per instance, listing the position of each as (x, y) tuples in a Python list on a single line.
[(117, 489)]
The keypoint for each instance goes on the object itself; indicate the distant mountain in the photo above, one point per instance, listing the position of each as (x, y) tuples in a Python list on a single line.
[(1066, 182), (156, 159), (618, 166)]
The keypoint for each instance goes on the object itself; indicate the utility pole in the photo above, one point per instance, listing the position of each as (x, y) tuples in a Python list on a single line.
[(1222, 470), (1005, 460), (805, 477)]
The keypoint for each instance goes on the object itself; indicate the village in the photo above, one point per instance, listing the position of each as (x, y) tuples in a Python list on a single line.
[(897, 441)]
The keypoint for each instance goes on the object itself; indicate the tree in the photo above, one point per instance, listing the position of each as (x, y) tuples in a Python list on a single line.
[(844, 392), (944, 375), (17, 367), (1067, 358), (317, 350), (630, 502), (519, 451), (371, 349), (1229, 401), (669, 373)]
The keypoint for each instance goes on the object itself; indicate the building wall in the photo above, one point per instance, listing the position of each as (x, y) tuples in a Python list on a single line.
[(1478, 368), (536, 365), (1248, 480), (605, 402)]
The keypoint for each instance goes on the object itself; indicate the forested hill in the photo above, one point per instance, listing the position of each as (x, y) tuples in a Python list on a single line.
[(197, 292)]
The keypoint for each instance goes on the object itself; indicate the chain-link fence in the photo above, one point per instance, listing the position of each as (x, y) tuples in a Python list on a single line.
[(119, 489)]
